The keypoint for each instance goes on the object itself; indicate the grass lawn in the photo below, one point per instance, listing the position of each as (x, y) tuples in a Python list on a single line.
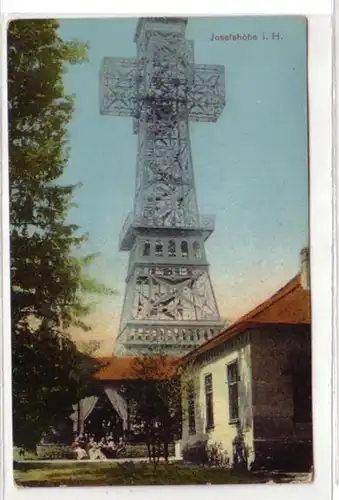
[(116, 474)]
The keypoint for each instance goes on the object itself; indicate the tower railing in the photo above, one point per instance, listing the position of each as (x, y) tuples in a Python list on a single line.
[(204, 223)]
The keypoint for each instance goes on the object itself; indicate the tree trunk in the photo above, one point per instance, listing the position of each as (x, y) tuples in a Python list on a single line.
[(166, 450), (158, 450), (149, 451), (154, 455)]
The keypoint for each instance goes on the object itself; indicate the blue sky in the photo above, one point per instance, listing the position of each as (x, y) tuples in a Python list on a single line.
[(250, 167)]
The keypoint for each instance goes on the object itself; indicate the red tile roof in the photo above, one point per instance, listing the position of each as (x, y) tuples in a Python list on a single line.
[(116, 368), (290, 305)]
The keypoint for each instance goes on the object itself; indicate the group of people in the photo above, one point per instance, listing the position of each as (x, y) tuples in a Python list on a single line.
[(86, 447)]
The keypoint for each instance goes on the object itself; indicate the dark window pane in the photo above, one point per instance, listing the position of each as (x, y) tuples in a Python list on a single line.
[(232, 373), (158, 248), (234, 407), (191, 409), (184, 249), (171, 248), (208, 383), (233, 390), (196, 249), (209, 401), (147, 249)]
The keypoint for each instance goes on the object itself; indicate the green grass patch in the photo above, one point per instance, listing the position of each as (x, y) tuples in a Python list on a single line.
[(28, 455), (123, 474)]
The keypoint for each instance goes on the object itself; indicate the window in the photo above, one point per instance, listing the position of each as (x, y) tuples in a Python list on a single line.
[(158, 248), (147, 249), (184, 249), (191, 408), (209, 402), (233, 391), (171, 248), (196, 249)]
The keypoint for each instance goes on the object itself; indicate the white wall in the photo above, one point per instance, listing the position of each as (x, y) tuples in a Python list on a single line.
[(223, 432)]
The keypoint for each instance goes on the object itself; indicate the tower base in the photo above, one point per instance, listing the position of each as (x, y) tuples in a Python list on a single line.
[(170, 339)]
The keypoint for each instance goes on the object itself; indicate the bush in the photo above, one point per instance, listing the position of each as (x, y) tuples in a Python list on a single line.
[(196, 453), (134, 451), (139, 450), (23, 454), (217, 456), (203, 453), (54, 452)]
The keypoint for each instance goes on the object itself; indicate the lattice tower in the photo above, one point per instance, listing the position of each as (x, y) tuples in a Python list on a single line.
[(169, 303)]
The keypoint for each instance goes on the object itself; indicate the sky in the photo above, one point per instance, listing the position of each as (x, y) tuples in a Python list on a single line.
[(251, 166)]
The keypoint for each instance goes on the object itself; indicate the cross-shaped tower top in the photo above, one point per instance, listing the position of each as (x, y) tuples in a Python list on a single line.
[(164, 69)]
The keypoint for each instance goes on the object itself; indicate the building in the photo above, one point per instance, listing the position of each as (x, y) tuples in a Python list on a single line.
[(107, 409), (249, 388)]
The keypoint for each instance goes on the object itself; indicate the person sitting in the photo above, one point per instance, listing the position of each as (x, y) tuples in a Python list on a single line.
[(94, 451), (80, 452), (111, 443), (102, 448), (110, 448), (121, 447), (75, 443)]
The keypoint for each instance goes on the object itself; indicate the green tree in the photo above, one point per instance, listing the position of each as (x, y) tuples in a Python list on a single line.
[(50, 287), (154, 401)]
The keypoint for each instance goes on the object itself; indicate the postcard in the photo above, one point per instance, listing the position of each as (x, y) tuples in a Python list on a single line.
[(160, 256)]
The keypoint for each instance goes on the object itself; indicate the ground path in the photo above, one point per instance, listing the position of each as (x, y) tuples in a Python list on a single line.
[(265, 476), (87, 460)]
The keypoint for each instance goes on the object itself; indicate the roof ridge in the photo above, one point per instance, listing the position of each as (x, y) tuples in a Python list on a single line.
[(249, 318), (279, 294)]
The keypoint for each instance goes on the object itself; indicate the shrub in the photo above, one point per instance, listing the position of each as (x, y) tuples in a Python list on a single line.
[(203, 453), (54, 452), (23, 454), (196, 453), (139, 450), (217, 456)]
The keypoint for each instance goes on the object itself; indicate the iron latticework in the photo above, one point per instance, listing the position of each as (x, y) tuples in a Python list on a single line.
[(169, 303)]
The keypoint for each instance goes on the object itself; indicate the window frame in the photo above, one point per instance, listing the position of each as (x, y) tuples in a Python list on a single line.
[(146, 248), (196, 247), (171, 248), (184, 250), (191, 405), (159, 248), (231, 384), (209, 403)]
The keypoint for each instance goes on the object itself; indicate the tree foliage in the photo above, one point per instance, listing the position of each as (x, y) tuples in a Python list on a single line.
[(48, 284), (154, 401)]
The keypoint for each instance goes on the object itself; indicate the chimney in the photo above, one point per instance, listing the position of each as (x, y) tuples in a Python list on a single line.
[(305, 268)]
